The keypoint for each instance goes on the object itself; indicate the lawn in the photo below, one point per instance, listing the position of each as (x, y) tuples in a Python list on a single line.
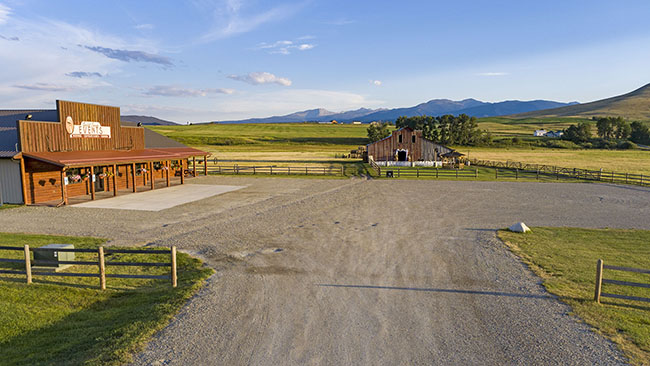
[(69, 321), (565, 258)]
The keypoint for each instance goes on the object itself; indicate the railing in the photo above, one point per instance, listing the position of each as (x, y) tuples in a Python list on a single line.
[(273, 170), (375, 166), (572, 173), (100, 263), (431, 172), (600, 280)]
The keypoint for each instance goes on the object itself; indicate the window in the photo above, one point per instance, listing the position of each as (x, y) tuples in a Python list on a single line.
[(400, 138), (413, 139)]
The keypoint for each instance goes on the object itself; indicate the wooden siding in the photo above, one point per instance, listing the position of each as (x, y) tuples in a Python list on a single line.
[(44, 180), (420, 150), (52, 136)]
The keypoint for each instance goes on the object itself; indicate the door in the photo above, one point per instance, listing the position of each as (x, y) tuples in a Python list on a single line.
[(402, 155), (99, 182)]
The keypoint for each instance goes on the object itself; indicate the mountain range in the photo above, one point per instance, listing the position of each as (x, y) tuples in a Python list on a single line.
[(147, 120), (435, 107)]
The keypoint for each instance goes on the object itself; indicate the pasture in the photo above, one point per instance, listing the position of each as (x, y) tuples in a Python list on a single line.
[(285, 144)]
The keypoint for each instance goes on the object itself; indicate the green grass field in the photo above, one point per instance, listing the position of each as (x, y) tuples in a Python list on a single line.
[(69, 321), (322, 144), (565, 258)]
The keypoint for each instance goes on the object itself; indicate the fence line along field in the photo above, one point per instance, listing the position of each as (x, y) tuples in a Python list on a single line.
[(313, 144)]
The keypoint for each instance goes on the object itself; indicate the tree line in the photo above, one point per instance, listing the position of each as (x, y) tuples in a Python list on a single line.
[(611, 132), (447, 129)]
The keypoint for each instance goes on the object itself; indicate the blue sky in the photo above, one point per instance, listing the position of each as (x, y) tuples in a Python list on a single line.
[(214, 60)]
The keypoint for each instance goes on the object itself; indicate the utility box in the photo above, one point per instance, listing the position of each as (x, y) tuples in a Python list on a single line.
[(47, 257)]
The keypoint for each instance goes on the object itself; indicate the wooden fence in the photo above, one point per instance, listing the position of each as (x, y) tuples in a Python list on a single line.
[(398, 172), (286, 170), (571, 173), (100, 263), (600, 280)]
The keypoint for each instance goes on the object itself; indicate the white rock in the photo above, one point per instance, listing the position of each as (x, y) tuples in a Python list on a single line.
[(519, 227)]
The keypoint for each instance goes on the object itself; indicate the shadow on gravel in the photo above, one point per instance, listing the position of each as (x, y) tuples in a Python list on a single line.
[(441, 290)]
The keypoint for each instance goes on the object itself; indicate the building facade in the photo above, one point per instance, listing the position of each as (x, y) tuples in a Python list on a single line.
[(407, 145), (81, 149)]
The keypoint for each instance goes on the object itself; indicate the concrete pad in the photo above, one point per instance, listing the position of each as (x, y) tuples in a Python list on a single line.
[(161, 199)]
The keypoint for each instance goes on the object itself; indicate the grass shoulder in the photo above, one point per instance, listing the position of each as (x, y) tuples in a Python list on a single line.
[(565, 258), (69, 321)]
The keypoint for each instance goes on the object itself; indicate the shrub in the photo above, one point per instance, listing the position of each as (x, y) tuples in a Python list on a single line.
[(627, 145)]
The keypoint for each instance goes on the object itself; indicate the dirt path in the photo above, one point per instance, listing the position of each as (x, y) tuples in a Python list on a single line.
[(370, 272)]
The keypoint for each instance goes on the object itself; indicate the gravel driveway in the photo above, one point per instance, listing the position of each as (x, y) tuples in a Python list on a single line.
[(342, 272)]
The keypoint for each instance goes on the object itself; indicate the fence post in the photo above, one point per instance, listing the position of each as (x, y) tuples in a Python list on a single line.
[(102, 269), (271, 169), (436, 172), (456, 173), (599, 280), (306, 171), (496, 173), (475, 172), (612, 177), (174, 277), (417, 172), (342, 171), (625, 178), (397, 172), (641, 179), (253, 170), (516, 174), (537, 174), (28, 265)]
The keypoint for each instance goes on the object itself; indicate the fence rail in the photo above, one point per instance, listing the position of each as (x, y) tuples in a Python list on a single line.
[(399, 172), (600, 266), (572, 173), (272, 170), (101, 263)]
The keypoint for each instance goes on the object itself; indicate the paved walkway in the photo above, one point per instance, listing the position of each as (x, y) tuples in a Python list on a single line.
[(161, 199)]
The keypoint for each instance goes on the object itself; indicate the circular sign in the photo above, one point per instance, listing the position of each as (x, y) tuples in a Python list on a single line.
[(69, 124)]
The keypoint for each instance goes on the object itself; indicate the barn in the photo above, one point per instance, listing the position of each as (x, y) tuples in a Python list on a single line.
[(407, 145), (81, 150)]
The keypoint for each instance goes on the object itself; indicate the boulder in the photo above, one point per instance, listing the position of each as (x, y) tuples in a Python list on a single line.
[(519, 227)]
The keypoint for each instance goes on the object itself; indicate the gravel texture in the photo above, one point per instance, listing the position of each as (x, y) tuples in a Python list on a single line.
[(370, 272)]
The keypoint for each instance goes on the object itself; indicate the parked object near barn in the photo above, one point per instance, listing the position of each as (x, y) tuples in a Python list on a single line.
[(408, 147)]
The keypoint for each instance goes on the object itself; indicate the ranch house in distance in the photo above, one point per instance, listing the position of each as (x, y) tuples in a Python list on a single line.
[(407, 147)]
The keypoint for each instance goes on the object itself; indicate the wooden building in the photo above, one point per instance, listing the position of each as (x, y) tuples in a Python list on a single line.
[(81, 149), (408, 145)]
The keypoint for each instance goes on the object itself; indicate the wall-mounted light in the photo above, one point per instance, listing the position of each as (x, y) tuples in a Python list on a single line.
[(29, 116)]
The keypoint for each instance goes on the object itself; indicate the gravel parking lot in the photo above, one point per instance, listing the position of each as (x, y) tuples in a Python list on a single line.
[(363, 271)]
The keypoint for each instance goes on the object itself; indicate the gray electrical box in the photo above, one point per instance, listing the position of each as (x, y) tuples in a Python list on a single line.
[(47, 257)]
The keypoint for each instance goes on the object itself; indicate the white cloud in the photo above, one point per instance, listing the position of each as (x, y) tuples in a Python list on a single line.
[(43, 87), (230, 18), (4, 13), (492, 74), (258, 78), (375, 82), (144, 26), (284, 47), (175, 91)]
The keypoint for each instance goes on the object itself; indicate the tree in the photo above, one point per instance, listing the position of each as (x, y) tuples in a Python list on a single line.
[(578, 133), (612, 128), (639, 133), (447, 129), (378, 131)]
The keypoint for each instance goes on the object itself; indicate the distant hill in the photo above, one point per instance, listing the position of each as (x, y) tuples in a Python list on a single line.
[(147, 120), (435, 107), (634, 105)]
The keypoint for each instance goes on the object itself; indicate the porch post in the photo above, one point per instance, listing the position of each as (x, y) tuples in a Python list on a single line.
[(92, 183), (182, 172), (114, 180), (64, 193), (168, 165), (194, 166), (133, 176), (153, 179), (205, 165), (23, 176)]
